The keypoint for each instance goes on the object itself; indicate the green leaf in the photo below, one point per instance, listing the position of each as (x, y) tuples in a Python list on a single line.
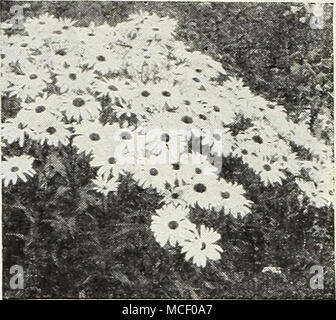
[(54, 165)]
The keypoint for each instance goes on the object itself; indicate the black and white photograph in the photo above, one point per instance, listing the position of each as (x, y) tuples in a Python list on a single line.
[(167, 150)]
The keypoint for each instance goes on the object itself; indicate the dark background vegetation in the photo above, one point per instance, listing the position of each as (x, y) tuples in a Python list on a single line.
[(73, 243)]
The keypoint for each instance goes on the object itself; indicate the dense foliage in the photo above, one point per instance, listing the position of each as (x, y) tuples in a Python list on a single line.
[(82, 227)]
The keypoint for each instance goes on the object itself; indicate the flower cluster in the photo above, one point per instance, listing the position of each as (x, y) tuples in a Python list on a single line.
[(137, 101)]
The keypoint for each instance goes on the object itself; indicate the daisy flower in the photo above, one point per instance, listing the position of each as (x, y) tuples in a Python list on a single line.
[(202, 190), (128, 110), (153, 175), (80, 107), (30, 83), (56, 55), (261, 140), (104, 185), (269, 171), (74, 79), (35, 117), (188, 121), (171, 225), (90, 135), (154, 27), (93, 34), (41, 24), (232, 199), (192, 165), (125, 140), (318, 197), (15, 168), (43, 106), (170, 141), (109, 162), (222, 109), (13, 130), (11, 51), (202, 247), (53, 132), (204, 64), (289, 161), (157, 96), (243, 150), (114, 88), (187, 77), (67, 23), (102, 60), (206, 119), (175, 197)]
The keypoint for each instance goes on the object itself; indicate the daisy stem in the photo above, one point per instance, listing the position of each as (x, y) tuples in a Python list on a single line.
[(105, 204)]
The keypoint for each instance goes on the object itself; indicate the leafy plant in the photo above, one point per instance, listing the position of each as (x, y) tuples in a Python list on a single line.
[(97, 119)]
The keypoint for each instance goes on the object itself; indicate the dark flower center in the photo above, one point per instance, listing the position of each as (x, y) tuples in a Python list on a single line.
[(175, 195), (166, 93), (165, 137), (14, 169), (126, 136), (225, 195), (187, 119), (51, 130), (21, 126), (101, 58), (112, 88), (200, 187), (203, 246), (112, 160), (267, 167), (33, 76), (257, 139), (40, 109), (78, 102), (145, 93), (153, 172), (173, 225), (198, 171), (94, 136), (60, 52), (244, 152), (73, 76), (176, 166)]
